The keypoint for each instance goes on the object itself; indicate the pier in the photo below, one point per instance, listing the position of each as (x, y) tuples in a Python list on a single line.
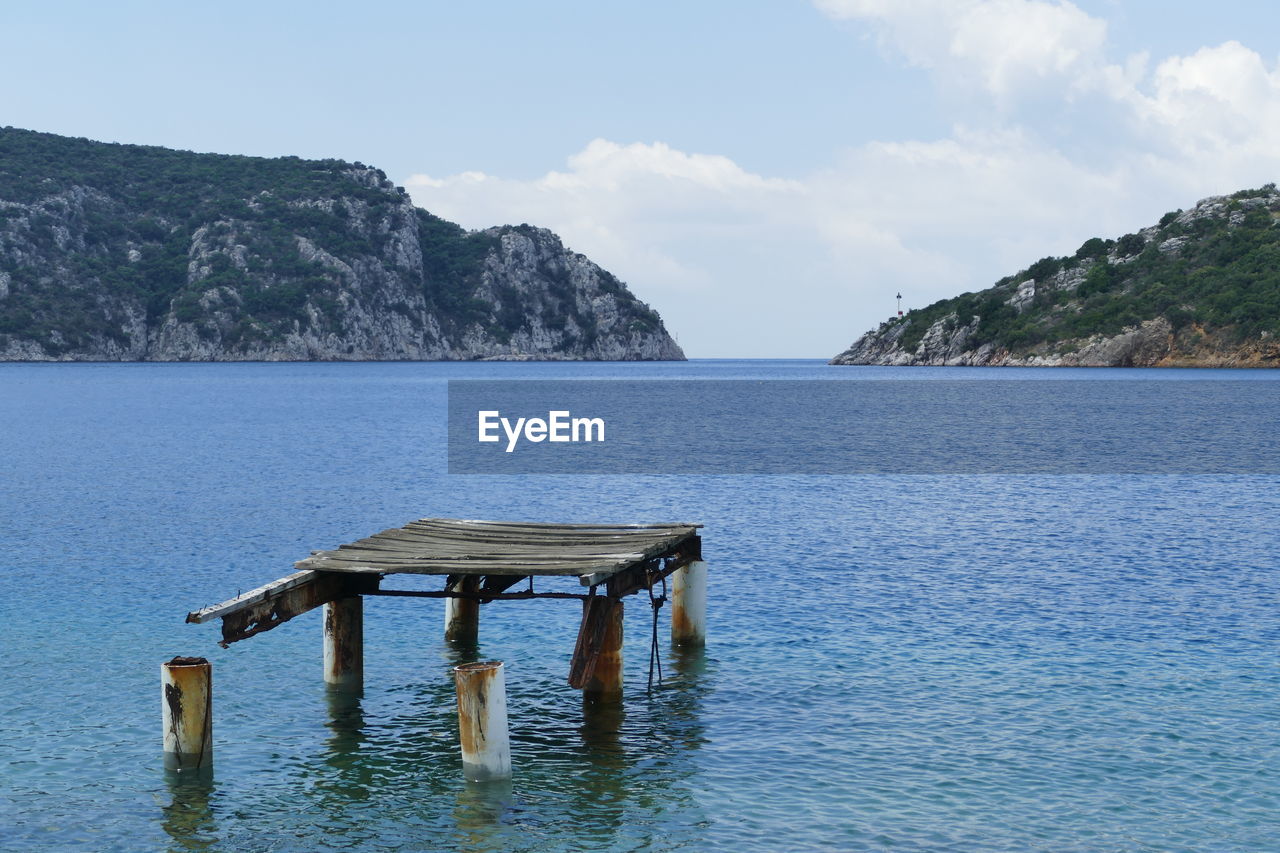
[(481, 562)]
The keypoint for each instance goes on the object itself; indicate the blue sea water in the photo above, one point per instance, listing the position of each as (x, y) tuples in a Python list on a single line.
[(916, 663)]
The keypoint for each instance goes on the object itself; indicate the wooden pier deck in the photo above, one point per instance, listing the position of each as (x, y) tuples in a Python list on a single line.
[(441, 546), (481, 562)]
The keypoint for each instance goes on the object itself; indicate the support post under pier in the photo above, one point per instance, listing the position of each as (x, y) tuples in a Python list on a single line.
[(344, 643), (186, 701), (462, 615), (605, 682), (689, 605)]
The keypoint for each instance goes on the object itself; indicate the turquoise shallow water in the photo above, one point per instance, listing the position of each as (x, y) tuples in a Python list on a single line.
[(895, 663)]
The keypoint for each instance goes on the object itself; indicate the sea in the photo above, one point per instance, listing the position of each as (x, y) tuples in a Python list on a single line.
[(1009, 661)]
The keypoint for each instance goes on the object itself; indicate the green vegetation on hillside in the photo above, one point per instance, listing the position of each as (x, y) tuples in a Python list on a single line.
[(453, 258), (82, 222), (132, 251), (177, 184), (1223, 277)]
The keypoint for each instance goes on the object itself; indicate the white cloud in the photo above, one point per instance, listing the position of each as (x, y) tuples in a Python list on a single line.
[(745, 264), (1221, 102), (608, 164), (631, 206), (692, 233), (748, 264), (1218, 100), (1008, 46)]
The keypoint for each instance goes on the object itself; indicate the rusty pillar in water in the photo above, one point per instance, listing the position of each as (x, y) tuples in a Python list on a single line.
[(606, 679), (482, 720), (344, 643), (689, 605), (462, 615), (186, 703)]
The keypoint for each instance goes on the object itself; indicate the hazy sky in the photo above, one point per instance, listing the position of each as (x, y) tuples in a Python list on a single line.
[(766, 174)]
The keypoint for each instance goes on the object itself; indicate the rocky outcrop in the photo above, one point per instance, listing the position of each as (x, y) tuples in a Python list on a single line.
[(1167, 272), (570, 307), (945, 345), (128, 253)]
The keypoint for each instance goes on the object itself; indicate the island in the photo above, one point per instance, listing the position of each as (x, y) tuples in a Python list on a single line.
[(113, 252)]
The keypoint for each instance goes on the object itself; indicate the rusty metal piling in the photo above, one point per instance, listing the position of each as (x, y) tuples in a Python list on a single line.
[(689, 605), (482, 720), (344, 643), (186, 703), (462, 615), (605, 682)]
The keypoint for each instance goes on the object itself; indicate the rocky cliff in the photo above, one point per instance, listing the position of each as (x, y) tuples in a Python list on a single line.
[(1201, 288), (136, 253)]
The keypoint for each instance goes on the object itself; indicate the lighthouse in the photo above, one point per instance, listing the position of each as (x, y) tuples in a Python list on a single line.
[(899, 304)]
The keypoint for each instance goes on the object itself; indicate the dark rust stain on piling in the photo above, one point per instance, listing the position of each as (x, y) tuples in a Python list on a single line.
[(186, 680), (680, 623), (180, 669), (473, 703), (173, 698)]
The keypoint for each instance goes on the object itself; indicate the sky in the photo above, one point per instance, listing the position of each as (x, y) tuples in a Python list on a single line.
[(767, 174)]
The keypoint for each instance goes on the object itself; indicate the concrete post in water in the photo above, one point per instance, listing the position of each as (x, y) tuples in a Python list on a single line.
[(462, 615), (689, 605), (606, 679), (186, 703), (344, 643), (482, 720)]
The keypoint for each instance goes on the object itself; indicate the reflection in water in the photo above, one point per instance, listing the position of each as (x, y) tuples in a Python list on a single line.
[(601, 729), (587, 774), (458, 652), (188, 819), (483, 813), (632, 750), (346, 722), (603, 785), (682, 704), (690, 662)]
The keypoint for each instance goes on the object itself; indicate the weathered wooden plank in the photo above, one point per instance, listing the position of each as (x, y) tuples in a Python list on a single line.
[(480, 549), (465, 567), (463, 540), (546, 525), (540, 535), (362, 555), (425, 556), (390, 547), (471, 567), (502, 552), (251, 597), (471, 546), (542, 532), (596, 611), (686, 552), (278, 602)]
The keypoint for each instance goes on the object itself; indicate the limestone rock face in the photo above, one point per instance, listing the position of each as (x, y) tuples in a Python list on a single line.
[(247, 259), (571, 308)]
